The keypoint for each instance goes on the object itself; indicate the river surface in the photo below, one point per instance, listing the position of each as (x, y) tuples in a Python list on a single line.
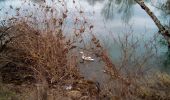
[(112, 23)]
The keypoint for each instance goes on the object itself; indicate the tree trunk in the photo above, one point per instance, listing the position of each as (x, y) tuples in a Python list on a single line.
[(162, 29)]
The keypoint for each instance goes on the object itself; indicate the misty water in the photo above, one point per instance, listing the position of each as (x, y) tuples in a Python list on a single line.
[(112, 21)]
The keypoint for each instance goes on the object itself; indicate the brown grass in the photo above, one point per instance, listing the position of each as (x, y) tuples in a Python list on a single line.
[(45, 59)]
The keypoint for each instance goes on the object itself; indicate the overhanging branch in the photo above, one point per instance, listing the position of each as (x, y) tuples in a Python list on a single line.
[(161, 28)]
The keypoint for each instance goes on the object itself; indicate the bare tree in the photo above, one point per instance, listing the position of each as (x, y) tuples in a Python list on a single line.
[(161, 28)]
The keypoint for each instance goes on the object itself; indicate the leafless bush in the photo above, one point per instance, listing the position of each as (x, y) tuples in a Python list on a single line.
[(36, 49)]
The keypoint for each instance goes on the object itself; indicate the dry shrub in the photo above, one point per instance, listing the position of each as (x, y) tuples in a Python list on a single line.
[(37, 52), (130, 73), (45, 58), (31, 55), (44, 53), (156, 87)]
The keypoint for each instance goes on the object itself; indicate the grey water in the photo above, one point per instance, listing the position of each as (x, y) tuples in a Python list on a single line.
[(113, 20)]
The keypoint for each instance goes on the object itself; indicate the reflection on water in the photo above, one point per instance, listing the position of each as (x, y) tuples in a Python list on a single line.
[(108, 10), (124, 7), (38, 1), (112, 7), (93, 2)]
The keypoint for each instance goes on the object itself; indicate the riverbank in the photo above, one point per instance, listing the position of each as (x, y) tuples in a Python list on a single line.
[(40, 59), (44, 66)]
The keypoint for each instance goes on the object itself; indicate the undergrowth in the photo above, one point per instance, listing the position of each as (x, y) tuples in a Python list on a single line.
[(38, 62)]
